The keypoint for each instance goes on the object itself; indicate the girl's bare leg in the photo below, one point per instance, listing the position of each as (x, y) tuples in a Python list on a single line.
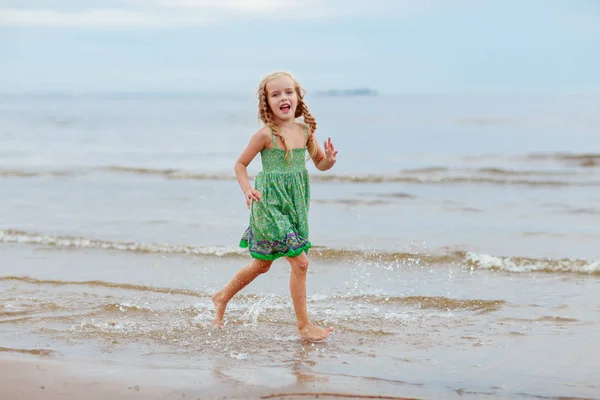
[(306, 329), (242, 278)]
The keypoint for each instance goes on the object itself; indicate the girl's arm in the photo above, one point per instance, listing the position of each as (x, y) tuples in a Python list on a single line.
[(324, 160), (256, 144)]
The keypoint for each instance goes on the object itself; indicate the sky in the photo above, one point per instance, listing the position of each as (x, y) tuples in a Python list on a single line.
[(210, 46)]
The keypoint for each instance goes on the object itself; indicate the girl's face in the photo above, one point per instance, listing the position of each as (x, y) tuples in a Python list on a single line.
[(281, 97)]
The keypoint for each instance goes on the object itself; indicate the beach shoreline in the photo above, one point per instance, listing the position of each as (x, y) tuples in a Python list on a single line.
[(28, 377)]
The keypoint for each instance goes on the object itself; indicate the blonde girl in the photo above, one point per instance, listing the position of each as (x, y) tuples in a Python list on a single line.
[(279, 202)]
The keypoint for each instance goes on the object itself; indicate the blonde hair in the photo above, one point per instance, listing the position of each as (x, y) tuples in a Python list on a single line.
[(265, 114)]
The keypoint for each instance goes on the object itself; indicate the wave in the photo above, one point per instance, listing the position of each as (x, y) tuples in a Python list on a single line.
[(67, 242), (527, 264), (14, 236), (170, 173), (511, 172), (448, 180), (111, 285), (585, 160), (590, 211), (428, 175), (400, 259), (352, 202), (12, 314), (423, 302), (35, 352), (32, 174), (437, 303), (421, 176), (125, 307), (397, 195), (545, 318), (25, 309)]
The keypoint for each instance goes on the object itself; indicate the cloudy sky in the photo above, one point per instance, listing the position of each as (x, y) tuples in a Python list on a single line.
[(396, 46)]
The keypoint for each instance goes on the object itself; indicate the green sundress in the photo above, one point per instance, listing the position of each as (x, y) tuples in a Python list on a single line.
[(279, 220)]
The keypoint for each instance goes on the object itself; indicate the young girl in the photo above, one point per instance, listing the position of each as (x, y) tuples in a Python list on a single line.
[(279, 204)]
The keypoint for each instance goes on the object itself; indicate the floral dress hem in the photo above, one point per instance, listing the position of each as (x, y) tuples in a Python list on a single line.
[(292, 246)]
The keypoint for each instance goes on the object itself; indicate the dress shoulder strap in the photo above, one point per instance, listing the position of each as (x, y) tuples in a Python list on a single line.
[(305, 133)]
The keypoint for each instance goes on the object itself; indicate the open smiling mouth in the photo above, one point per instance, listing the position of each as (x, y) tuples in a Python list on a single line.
[(285, 108)]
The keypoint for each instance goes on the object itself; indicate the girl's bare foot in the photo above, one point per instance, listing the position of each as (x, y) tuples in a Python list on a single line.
[(312, 332), (220, 305)]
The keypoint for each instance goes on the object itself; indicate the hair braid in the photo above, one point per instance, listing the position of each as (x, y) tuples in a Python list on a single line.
[(266, 116), (311, 143)]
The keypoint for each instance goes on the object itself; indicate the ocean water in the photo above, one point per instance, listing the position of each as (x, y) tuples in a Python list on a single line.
[(456, 242)]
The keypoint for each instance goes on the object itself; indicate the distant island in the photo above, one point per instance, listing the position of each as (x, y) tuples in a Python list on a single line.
[(348, 92)]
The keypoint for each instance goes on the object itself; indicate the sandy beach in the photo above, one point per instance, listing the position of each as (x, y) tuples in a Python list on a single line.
[(32, 378)]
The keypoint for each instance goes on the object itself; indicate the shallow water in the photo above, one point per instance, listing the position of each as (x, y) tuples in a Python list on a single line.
[(455, 243)]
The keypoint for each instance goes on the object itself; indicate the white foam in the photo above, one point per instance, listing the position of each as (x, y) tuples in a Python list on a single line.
[(519, 265), (73, 242)]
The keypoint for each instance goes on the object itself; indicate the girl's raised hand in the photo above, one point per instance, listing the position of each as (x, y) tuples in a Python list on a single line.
[(330, 151), (252, 195)]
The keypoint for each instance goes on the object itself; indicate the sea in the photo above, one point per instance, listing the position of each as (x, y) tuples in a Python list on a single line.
[(456, 242)]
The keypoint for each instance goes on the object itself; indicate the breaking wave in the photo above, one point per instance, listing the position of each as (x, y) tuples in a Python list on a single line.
[(514, 264), (526, 264)]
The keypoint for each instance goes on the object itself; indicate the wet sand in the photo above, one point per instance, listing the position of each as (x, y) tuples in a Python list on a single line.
[(136, 320), (31, 378)]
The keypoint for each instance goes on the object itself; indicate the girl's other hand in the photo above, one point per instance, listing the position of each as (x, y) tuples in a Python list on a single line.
[(252, 195), (330, 151)]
